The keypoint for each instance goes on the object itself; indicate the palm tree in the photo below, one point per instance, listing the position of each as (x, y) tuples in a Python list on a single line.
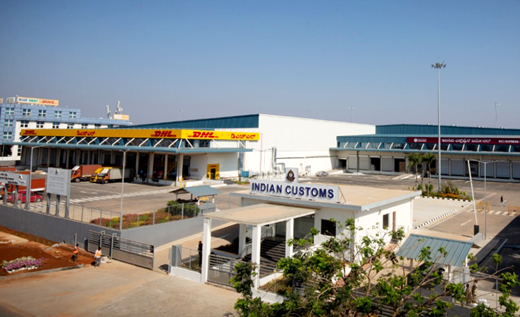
[(414, 160), (428, 159)]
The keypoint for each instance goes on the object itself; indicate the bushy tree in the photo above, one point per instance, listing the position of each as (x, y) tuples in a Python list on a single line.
[(347, 278)]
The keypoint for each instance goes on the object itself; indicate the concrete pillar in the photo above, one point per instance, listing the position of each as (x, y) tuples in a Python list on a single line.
[(255, 253), (206, 249), (67, 155), (242, 230), (150, 165), (48, 157), (137, 170), (165, 166), (58, 159), (180, 161), (289, 234)]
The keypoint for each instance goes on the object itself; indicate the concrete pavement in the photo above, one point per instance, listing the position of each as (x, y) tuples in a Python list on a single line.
[(113, 289)]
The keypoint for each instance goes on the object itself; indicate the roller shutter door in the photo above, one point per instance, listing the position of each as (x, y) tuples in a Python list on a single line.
[(516, 170), (352, 162), (445, 167), (457, 167), (364, 163), (490, 170), (387, 164), (502, 169)]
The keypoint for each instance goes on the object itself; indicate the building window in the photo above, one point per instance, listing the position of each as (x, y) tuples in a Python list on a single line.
[(24, 124), (84, 126), (39, 124), (72, 115), (9, 111), (70, 126), (204, 143), (55, 125), (386, 221), (8, 123), (26, 112), (328, 227), (42, 113), (57, 114), (98, 126), (8, 135)]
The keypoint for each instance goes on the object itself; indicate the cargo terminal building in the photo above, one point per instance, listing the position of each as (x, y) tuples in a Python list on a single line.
[(496, 150)]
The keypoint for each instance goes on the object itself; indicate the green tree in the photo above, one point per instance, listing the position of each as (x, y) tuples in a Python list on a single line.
[(414, 160), (345, 278)]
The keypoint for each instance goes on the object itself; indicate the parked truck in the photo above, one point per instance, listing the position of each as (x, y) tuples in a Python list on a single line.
[(83, 172), (111, 174)]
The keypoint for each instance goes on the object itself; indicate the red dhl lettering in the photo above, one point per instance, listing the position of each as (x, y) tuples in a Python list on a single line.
[(29, 132), (85, 133), (163, 134), (243, 136), (202, 135)]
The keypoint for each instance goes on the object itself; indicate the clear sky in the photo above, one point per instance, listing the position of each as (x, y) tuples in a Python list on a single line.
[(171, 60)]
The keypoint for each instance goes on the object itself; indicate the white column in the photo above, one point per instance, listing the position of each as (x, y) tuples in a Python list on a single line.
[(165, 176), (289, 234), (242, 229), (206, 249), (67, 158), (255, 253), (150, 165), (180, 161)]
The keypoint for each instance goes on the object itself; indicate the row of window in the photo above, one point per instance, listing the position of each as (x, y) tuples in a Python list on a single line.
[(431, 146), (42, 113), (39, 124)]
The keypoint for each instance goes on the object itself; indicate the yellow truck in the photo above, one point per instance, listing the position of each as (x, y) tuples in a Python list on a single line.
[(110, 174)]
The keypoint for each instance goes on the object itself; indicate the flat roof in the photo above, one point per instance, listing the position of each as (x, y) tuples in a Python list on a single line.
[(260, 214), (197, 191)]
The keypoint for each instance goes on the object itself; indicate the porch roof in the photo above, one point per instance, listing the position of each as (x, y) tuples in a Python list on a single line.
[(260, 214)]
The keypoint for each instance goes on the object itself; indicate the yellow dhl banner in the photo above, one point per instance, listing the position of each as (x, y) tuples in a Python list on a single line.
[(145, 133)]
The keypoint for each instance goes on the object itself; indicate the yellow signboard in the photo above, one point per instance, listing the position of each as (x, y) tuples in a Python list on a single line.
[(38, 101), (118, 116), (144, 133)]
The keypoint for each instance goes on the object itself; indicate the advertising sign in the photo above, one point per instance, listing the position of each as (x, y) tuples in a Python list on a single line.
[(1, 100), (118, 116), (144, 133), (506, 141), (37, 101), (10, 100), (58, 181), (13, 178), (319, 192)]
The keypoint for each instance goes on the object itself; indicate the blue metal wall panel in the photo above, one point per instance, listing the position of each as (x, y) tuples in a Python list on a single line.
[(236, 122), (421, 129)]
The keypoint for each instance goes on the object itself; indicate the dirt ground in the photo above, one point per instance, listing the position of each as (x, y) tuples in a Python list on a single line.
[(55, 255)]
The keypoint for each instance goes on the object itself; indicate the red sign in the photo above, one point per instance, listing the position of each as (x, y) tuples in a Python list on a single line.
[(202, 135), (29, 132), (85, 133), (464, 140), (163, 134)]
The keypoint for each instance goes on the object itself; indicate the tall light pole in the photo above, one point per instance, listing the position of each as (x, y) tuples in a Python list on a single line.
[(28, 187), (496, 117), (122, 186), (351, 113), (438, 66)]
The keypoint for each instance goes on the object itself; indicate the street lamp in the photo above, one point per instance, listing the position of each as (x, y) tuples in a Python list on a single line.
[(485, 194), (496, 120), (28, 187), (438, 66), (351, 113), (122, 187)]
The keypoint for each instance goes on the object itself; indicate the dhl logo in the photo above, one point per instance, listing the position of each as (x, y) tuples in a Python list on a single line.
[(203, 135), (163, 134), (29, 132), (85, 133)]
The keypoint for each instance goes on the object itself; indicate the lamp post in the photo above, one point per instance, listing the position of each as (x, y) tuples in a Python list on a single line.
[(122, 191), (496, 117), (28, 187), (485, 194), (438, 66), (351, 113)]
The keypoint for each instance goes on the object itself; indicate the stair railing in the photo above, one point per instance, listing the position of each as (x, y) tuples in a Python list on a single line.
[(248, 249)]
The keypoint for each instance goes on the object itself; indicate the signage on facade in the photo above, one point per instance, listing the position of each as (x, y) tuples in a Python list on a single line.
[(144, 133), (13, 178), (505, 141), (38, 101), (319, 192), (58, 181), (118, 116), (10, 100), (1, 100)]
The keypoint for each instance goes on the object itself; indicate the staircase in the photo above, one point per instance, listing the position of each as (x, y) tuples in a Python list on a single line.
[(271, 251)]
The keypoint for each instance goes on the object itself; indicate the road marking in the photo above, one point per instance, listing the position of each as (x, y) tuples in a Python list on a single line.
[(462, 224), (498, 212), (492, 211)]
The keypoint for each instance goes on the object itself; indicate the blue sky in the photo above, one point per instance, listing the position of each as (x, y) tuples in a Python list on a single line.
[(297, 58)]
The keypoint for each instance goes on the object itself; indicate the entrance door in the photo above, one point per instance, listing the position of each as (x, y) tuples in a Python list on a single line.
[(213, 171)]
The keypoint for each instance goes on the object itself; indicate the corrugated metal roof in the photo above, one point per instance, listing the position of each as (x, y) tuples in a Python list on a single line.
[(457, 251), (235, 122), (197, 191)]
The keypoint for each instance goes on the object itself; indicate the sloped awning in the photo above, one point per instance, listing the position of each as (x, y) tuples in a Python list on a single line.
[(197, 191), (457, 251)]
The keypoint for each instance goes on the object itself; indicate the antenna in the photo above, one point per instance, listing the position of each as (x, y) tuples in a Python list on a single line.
[(108, 111), (119, 109)]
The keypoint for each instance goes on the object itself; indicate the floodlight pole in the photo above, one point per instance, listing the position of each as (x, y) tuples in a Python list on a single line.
[(122, 191), (351, 113), (438, 66), (496, 116)]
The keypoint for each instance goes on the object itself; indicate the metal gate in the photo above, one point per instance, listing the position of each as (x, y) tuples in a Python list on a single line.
[(133, 252), (221, 269)]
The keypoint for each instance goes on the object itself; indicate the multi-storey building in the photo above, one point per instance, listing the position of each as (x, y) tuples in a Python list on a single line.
[(18, 113)]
